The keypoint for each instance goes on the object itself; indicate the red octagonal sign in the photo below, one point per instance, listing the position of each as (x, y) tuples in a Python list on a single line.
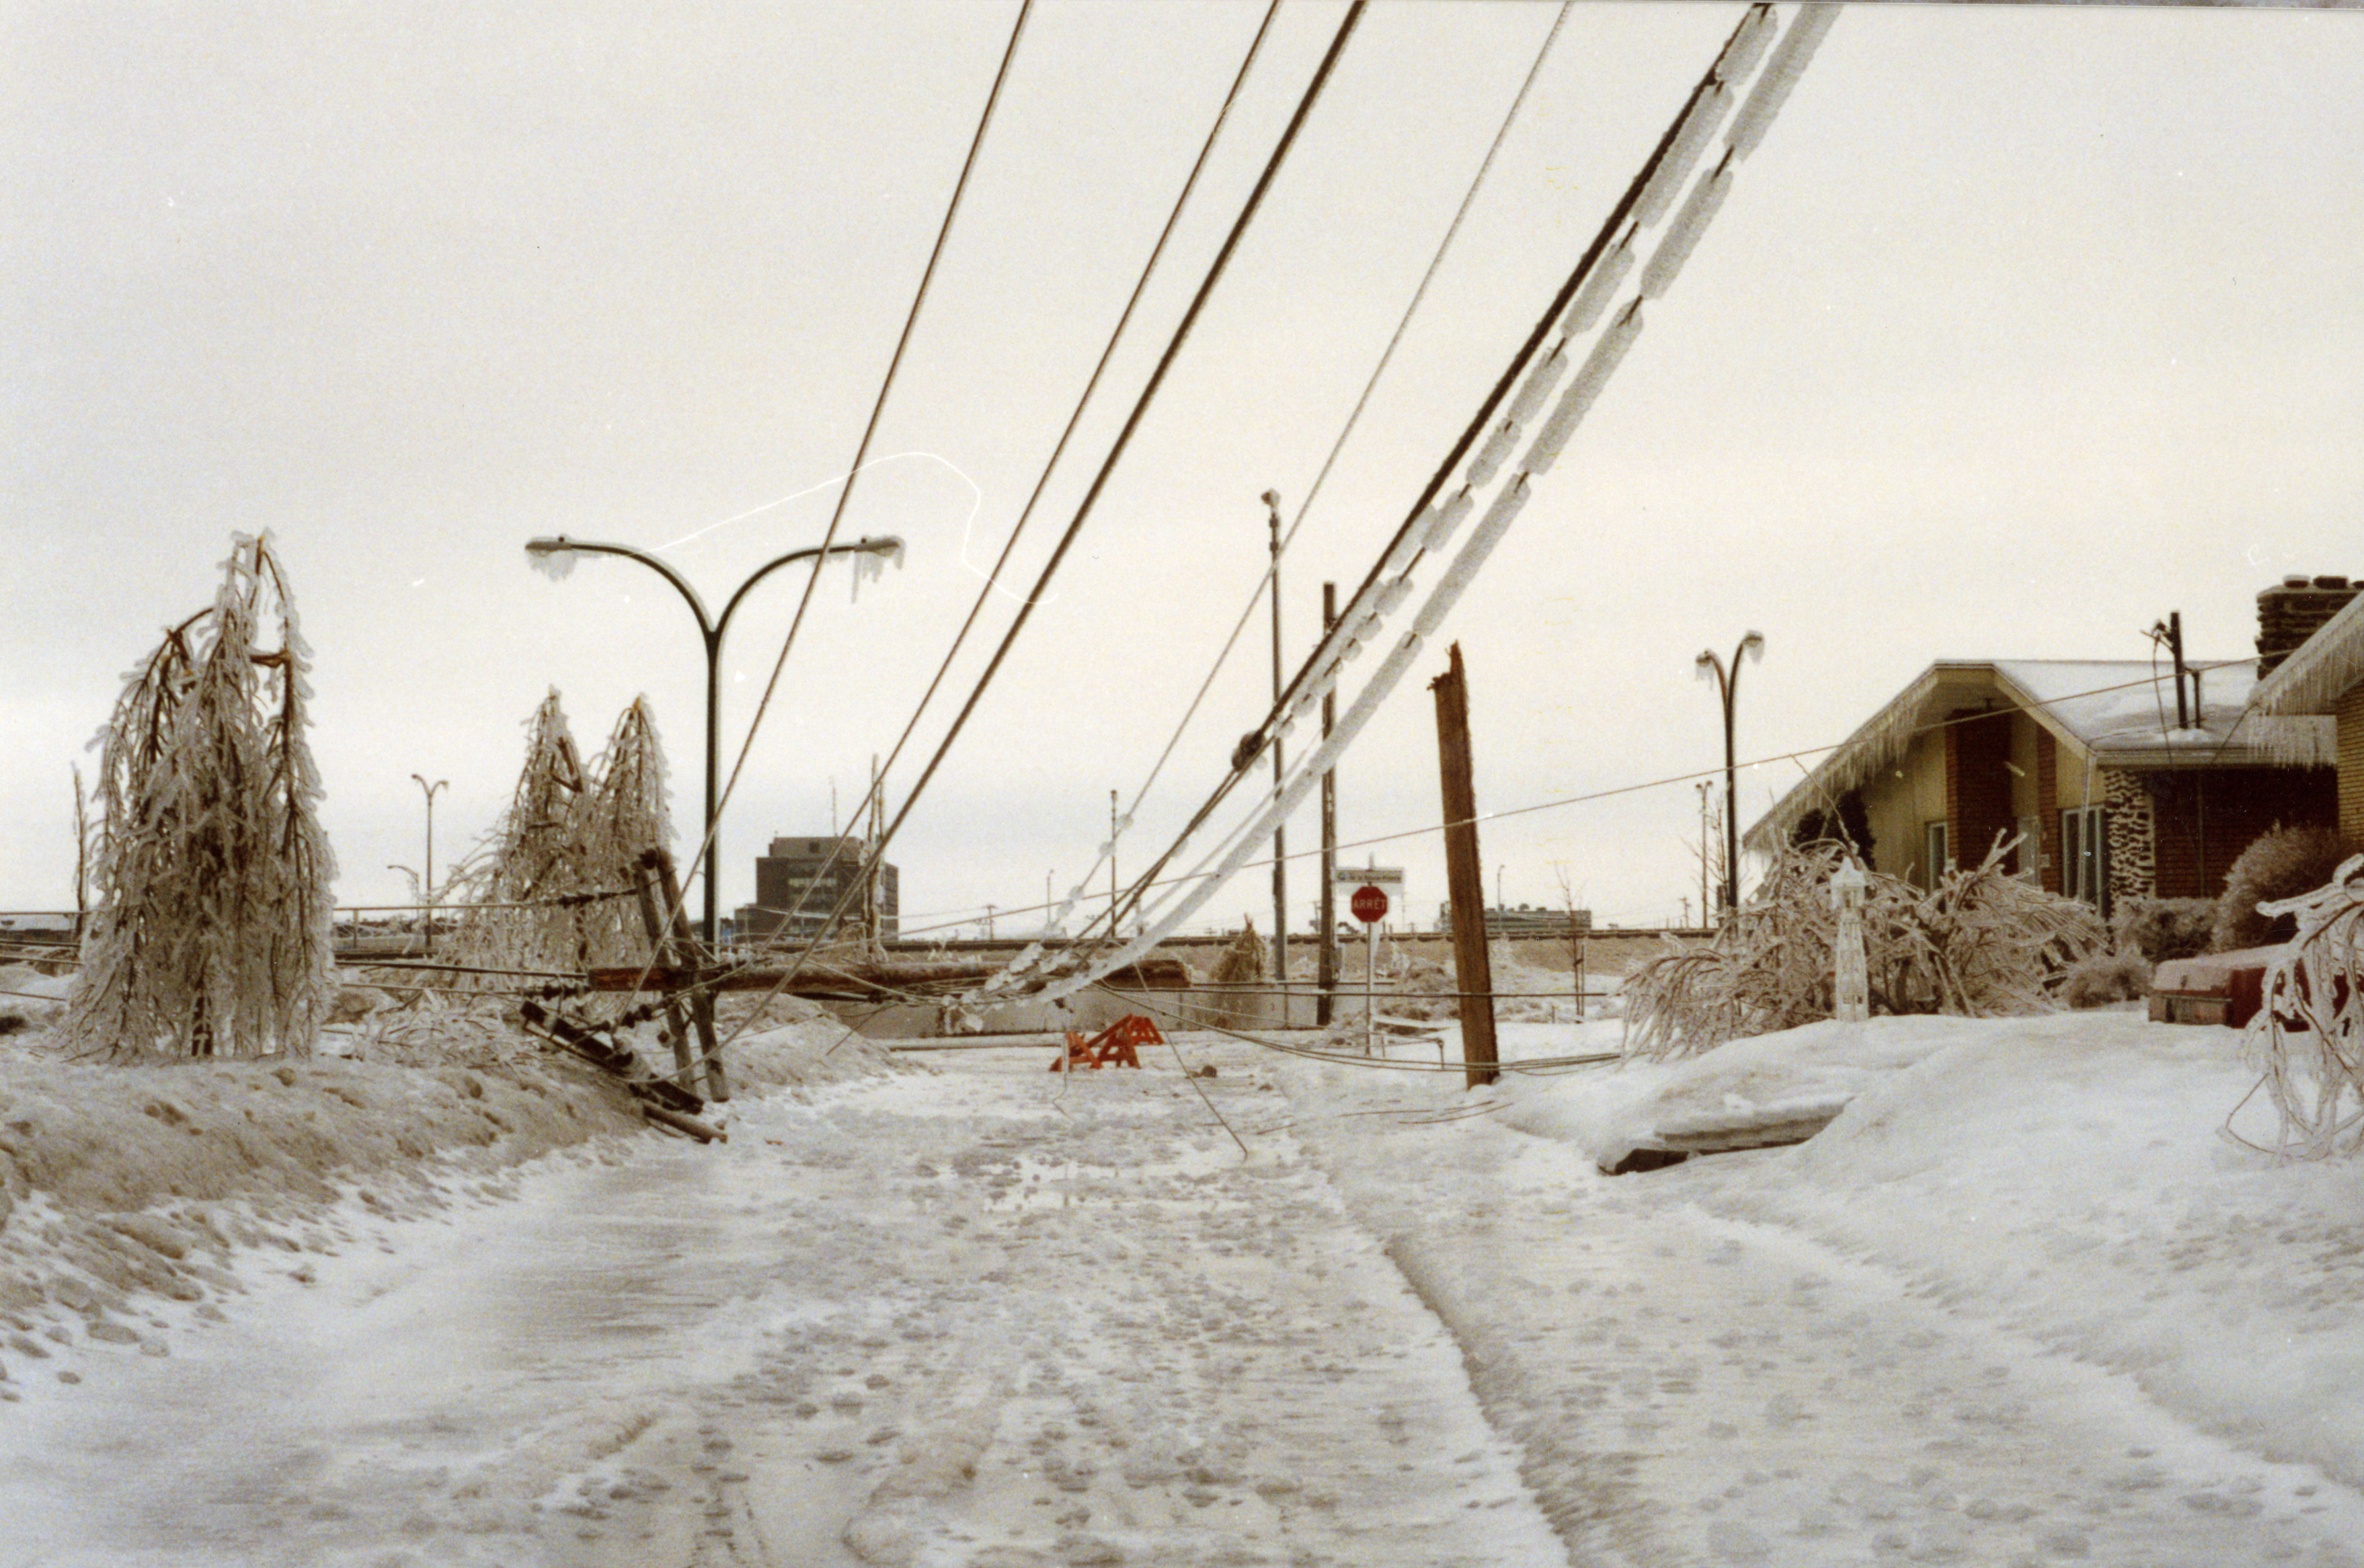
[(1369, 905)]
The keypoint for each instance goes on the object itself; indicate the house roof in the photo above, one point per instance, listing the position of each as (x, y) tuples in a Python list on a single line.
[(2322, 670), (2113, 713)]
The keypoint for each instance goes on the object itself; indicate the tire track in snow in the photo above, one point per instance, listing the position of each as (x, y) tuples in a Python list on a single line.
[(1689, 1390)]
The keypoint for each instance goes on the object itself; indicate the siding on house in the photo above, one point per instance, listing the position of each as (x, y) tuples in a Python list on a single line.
[(2349, 716)]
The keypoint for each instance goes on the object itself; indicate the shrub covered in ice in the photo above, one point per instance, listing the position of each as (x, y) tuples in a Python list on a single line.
[(210, 871), (2106, 977), (1980, 944), (2164, 929), (2278, 864)]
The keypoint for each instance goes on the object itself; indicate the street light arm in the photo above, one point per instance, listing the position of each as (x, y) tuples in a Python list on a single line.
[(886, 544), (705, 627)]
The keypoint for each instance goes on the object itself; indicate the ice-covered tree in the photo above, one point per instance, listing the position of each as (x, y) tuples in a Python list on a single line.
[(550, 889), (210, 874), (2308, 1037)]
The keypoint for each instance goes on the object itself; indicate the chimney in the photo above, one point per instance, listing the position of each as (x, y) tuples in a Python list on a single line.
[(2291, 611)]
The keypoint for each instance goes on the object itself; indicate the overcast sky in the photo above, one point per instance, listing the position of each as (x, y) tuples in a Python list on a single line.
[(2024, 327)]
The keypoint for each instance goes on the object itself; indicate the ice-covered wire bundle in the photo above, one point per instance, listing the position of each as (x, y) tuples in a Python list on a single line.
[(1430, 529), (2308, 1037), (211, 933)]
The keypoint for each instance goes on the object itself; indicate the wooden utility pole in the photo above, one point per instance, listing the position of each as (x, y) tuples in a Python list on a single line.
[(1464, 877), (1327, 978), (674, 948)]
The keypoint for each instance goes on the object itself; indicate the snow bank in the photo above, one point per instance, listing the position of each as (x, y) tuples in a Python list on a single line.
[(2093, 1181), (1800, 1073), (123, 1184)]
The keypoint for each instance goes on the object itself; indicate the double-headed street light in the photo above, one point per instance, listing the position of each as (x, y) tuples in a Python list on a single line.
[(1727, 682), (557, 553), (428, 882)]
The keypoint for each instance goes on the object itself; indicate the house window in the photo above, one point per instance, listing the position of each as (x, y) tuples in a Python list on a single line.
[(1935, 852), (2085, 855)]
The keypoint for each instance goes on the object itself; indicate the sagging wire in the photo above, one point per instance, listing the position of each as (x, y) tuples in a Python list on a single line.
[(1537, 1065), (1582, 297), (1165, 365), (875, 855), (1346, 430), (1207, 1100), (862, 450)]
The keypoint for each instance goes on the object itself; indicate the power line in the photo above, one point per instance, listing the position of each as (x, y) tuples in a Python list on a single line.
[(1165, 362), (877, 408), (877, 854), (1353, 417)]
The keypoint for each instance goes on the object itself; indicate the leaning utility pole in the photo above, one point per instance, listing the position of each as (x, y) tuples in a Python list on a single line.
[(1279, 781), (1465, 878)]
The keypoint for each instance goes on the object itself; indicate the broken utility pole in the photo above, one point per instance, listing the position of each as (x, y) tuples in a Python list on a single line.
[(1463, 877)]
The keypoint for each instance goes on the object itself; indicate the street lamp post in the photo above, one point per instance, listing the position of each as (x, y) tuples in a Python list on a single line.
[(428, 882), (1727, 682), (712, 631)]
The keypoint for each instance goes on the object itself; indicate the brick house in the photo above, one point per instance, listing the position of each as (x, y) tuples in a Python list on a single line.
[(2084, 762), (2324, 677)]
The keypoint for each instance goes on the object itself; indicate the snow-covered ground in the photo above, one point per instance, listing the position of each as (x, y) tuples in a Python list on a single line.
[(2022, 1302)]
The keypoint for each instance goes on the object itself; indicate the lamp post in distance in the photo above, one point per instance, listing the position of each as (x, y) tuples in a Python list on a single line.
[(1727, 682), (556, 555), (426, 883)]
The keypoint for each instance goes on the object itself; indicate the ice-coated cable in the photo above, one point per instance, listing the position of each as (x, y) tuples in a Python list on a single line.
[(1141, 402), (1303, 699)]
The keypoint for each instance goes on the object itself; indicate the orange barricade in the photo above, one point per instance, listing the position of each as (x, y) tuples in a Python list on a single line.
[(1112, 1047)]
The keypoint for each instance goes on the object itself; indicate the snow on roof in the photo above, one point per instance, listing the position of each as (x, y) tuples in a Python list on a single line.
[(2115, 712), (2322, 669)]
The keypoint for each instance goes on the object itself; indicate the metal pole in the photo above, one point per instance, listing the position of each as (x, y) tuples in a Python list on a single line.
[(1280, 829), (1113, 931), (709, 922), (1731, 798), (428, 881), (1727, 683), (1328, 964), (1370, 983), (712, 631)]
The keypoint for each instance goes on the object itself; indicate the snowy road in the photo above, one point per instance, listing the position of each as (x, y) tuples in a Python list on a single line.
[(982, 1316), (962, 1317)]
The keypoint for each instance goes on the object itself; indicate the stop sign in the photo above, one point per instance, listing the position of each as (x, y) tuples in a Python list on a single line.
[(1369, 905)]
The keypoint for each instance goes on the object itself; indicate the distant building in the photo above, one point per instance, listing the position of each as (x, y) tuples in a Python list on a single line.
[(803, 881), (1526, 920)]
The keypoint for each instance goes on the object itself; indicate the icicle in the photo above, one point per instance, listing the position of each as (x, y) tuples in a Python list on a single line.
[(1498, 442), (1699, 123), (1577, 399), (1507, 505), (1599, 285), (1444, 517), (1748, 46), (1684, 233), (1392, 596), (1537, 386), (1772, 90)]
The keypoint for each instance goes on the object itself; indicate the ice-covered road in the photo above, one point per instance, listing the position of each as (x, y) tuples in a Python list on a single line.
[(983, 1316), (937, 1317)]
